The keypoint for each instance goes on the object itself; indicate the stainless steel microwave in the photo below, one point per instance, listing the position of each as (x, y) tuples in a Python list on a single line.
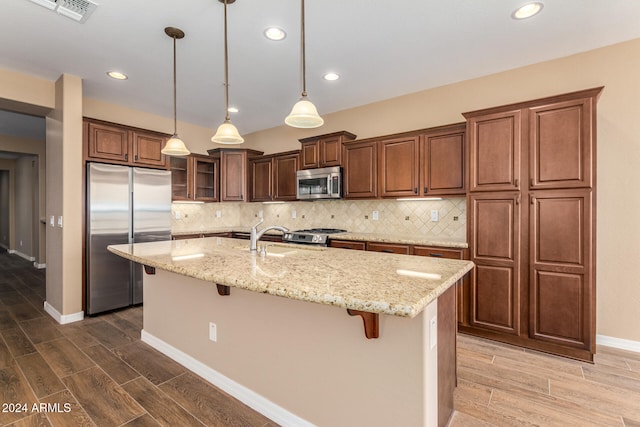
[(322, 183)]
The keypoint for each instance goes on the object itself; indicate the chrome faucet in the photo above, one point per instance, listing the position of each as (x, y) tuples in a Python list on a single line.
[(256, 235)]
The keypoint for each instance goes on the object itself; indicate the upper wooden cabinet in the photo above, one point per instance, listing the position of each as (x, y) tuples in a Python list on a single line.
[(323, 150), (274, 177), (561, 144), (120, 144), (234, 170), (442, 161), (399, 166), (360, 177), (425, 163), (546, 143), (494, 151), (194, 178)]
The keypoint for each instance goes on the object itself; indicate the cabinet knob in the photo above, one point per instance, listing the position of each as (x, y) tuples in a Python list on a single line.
[(425, 190), (415, 190), (126, 157), (135, 158), (516, 182)]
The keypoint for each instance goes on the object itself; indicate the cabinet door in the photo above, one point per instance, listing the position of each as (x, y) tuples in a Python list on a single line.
[(180, 181), (261, 179), (398, 171), (331, 151), (561, 283), (442, 163), (495, 249), (108, 142), (360, 170), (310, 154), (285, 168), (233, 180), (562, 144), (462, 289), (204, 178), (494, 151), (347, 244), (147, 149), (392, 248)]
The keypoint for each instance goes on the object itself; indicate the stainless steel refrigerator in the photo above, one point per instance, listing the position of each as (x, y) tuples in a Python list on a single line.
[(124, 205)]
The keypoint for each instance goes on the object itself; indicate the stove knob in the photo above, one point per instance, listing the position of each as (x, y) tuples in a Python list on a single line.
[(316, 237)]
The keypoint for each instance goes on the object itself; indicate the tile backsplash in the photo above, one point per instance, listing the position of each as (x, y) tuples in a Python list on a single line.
[(393, 216)]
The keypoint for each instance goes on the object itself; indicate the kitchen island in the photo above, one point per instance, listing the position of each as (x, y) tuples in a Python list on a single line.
[(295, 354)]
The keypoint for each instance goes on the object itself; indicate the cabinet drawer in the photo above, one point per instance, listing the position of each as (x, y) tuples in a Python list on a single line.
[(437, 252), (347, 244), (388, 247)]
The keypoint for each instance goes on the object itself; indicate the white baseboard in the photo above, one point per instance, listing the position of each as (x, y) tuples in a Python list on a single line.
[(240, 392), (619, 343), (39, 266), (21, 255), (60, 318)]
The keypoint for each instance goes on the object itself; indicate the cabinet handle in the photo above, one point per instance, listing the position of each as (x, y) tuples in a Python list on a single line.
[(516, 182), (415, 190), (436, 255), (389, 251), (518, 200), (533, 200), (532, 184), (135, 158), (126, 157), (425, 190)]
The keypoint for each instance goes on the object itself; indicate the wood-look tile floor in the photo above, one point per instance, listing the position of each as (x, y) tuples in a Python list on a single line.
[(106, 376), (95, 372)]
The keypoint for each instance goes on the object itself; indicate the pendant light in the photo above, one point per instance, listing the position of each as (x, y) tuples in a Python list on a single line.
[(174, 146), (227, 132), (304, 113)]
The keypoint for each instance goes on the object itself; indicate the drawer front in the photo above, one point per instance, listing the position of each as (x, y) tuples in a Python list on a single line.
[(388, 247), (437, 252), (347, 244)]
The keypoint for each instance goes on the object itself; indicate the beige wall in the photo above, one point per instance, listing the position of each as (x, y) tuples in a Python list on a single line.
[(7, 200), (310, 359), (64, 197)]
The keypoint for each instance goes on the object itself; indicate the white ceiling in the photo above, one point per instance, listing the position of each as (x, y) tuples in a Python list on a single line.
[(382, 49)]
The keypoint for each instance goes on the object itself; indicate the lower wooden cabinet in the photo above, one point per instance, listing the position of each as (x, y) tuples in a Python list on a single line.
[(392, 248), (347, 244)]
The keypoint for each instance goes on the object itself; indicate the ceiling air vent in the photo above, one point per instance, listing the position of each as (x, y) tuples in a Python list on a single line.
[(78, 10)]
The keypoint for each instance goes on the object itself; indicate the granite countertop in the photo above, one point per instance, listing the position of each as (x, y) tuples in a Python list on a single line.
[(362, 237), (399, 285)]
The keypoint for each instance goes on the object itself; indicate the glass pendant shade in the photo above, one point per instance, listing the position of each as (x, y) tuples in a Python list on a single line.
[(304, 115), (227, 134), (175, 147)]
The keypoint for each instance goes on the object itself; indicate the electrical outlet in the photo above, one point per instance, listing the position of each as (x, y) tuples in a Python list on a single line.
[(293, 214), (375, 215), (52, 221), (435, 217), (178, 215), (433, 332), (260, 213), (213, 332), (218, 214), (60, 221)]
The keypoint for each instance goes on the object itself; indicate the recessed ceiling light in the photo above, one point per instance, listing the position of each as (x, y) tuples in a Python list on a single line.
[(275, 33), (331, 76), (117, 75), (232, 110), (527, 11)]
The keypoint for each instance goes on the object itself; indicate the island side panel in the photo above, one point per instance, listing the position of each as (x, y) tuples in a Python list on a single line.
[(447, 375), (312, 360)]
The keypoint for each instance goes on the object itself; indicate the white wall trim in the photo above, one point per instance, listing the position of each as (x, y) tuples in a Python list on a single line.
[(39, 266), (619, 343), (21, 255), (60, 318), (240, 392)]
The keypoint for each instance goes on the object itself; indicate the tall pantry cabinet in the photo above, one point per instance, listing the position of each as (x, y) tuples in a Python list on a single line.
[(531, 223)]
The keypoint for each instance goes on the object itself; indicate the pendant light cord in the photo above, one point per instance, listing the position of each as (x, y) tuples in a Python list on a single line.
[(226, 67), (304, 65), (175, 116)]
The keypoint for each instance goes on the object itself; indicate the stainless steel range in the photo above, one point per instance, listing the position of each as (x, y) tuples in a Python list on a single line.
[(311, 236)]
